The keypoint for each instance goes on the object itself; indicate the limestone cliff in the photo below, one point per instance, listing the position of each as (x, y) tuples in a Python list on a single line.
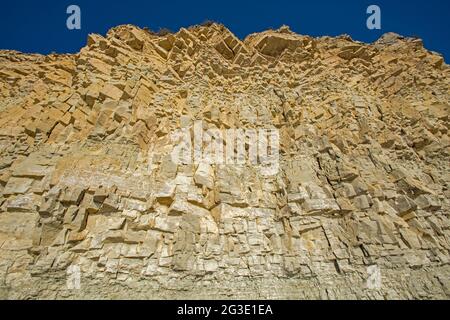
[(359, 207)]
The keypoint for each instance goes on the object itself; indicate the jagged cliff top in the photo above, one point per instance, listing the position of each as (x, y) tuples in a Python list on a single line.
[(212, 53), (280, 41)]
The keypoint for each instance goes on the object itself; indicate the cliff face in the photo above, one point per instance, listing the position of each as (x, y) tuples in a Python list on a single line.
[(93, 205)]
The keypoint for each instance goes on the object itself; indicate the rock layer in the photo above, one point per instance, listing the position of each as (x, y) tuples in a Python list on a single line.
[(86, 177)]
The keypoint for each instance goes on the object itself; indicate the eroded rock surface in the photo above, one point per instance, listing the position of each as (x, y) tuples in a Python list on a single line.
[(86, 177)]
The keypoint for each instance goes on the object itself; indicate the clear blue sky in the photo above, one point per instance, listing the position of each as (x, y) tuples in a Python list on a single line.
[(40, 25)]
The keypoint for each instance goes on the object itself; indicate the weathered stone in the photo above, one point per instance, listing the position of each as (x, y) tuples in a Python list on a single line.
[(72, 196), (165, 193), (89, 180), (299, 196), (24, 202), (111, 91), (314, 206), (403, 205), (428, 202), (204, 175), (17, 186), (178, 207)]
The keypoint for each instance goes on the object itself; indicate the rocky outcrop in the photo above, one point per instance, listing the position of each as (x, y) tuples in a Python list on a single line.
[(87, 183)]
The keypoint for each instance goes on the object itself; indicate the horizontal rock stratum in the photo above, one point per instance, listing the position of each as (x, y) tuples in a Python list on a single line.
[(92, 204)]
